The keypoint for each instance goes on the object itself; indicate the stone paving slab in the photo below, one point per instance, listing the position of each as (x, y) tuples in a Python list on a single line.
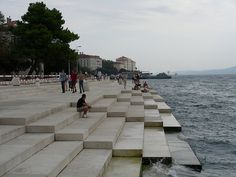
[(152, 118), (118, 109), (130, 141), (150, 104), (9, 132), (124, 97), (170, 123), (102, 105), (105, 135), (181, 151), (136, 93), (126, 91), (54, 122), (19, 149), (81, 128), (158, 98), (124, 167), (49, 161), (137, 100), (135, 113), (153, 92), (147, 95), (89, 163), (155, 145), (163, 107)]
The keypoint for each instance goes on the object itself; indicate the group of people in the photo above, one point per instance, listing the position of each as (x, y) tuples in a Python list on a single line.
[(68, 83)]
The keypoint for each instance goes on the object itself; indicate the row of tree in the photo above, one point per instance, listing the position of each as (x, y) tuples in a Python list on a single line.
[(39, 37)]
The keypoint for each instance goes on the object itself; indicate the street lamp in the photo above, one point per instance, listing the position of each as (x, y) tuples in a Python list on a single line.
[(77, 60)]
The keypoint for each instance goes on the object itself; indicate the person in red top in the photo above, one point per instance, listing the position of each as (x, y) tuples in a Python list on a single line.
[(73, 81)]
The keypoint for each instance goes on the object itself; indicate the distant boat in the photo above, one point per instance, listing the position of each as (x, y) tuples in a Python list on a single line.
[(158, 76)]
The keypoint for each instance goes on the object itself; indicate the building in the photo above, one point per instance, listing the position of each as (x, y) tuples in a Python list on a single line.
[(119, 65), (128, 63), (90, 61)]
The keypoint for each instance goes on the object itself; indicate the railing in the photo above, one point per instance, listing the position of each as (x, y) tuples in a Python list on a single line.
[(28, 79)]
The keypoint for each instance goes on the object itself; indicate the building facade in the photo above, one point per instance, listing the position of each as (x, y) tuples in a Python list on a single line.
[(119, 65), (128, 63), (90, 61)]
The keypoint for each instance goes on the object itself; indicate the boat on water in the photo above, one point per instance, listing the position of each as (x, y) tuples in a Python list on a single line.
[(158, 76)]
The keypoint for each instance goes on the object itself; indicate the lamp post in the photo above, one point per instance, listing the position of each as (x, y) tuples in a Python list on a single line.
[(77, 60)]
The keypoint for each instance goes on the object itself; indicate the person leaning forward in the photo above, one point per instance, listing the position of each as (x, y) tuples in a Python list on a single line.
[(82, 106)]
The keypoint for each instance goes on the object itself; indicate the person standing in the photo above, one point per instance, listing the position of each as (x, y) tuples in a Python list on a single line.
[(62, 78), (124, 80), (73, 81), (81, 82)]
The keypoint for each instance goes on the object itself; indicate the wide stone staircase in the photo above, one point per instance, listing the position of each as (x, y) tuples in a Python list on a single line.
[(124, 130)]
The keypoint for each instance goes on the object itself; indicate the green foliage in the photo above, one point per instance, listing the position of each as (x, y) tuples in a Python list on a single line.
[(41, 38), (2, 18), (108, 67)]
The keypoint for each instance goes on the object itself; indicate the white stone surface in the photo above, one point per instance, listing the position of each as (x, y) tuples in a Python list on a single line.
[(147, 95), (81, 128), (137, 100), (150, 104), (53, 122), (105, 135), (152, 118), (181, 151), (130, 141), (155, 144), (89, 163), (153, 92), (169, 122), (103, 105), (19, 149), (9, 132), (136, 93), (124, 97), (124, 167), (163, 107), (49, 161), (118, 109), (135, 113), (158, 98)]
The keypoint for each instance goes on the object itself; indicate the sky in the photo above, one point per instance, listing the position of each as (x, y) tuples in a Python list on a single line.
[(160, 35)]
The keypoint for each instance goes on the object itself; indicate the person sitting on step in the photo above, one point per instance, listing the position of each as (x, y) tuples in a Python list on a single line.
[(82, 106)]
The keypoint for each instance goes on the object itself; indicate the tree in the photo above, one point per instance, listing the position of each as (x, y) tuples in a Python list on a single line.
[(108, 67), (41, 37)]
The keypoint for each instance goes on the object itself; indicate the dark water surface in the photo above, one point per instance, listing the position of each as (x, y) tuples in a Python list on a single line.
[(205, 106)]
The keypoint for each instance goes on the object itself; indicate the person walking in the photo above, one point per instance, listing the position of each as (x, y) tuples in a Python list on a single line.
[(124, 80), (73, 81), (81, 82), (62, 78)]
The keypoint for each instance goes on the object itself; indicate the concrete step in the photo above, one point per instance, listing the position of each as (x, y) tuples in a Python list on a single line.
[(170, 123), (25, 114), (181, 152), (8, 132), (53, 122), (153, 92), (89, 163), (155, 146), (102, 105), (147, 95), (158, 98), (124, 167), (130, 141), (105, 135), (136, 93), (135, 113), (163, 107), (126, 91), (81, 128), (21, 148), (152, 118), (150, 104), (124, 97), (137, 100), (49, 161), (118, 109)]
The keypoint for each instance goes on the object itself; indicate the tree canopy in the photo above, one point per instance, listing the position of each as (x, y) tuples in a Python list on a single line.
[(41, 37), (108, 67)]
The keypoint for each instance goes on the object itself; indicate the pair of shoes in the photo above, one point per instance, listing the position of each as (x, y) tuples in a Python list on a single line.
[(85, 116)]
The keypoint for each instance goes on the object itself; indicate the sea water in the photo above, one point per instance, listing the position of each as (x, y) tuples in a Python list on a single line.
[(205, 106)]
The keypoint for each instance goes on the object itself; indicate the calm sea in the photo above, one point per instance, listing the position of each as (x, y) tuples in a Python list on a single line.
[(205, 106)]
